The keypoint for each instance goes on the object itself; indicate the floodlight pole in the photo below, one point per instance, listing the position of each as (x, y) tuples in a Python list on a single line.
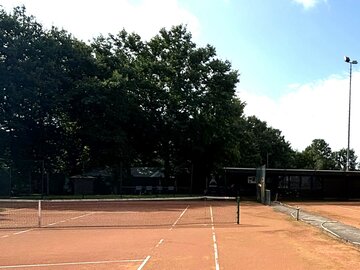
[(353, 62)]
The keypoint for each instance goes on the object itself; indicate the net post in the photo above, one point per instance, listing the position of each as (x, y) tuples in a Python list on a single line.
[(238, 210), (39, 213)]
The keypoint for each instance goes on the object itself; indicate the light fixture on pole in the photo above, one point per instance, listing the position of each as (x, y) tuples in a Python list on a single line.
[(351, 62)]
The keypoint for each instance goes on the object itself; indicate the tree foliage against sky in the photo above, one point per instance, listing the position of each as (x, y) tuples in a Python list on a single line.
[(319, 156), (121, 102)]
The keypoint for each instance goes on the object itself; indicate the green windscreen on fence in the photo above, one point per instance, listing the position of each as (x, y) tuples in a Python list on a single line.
[(260, 184)]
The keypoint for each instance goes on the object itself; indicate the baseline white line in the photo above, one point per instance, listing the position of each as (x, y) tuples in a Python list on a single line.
[(183, 212), (216, 255), (64, 264), (144, 262)]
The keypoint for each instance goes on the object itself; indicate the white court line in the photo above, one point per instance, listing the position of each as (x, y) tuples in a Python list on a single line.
[(183, 212), (73, 218), (119, 212), (16, 210), (216, 255), (17, 233), (143, 263), (328, 230), (160, 242), (64, 264), (23, 232)]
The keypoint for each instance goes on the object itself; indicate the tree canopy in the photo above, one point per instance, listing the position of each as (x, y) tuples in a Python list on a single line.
[(121, 102)]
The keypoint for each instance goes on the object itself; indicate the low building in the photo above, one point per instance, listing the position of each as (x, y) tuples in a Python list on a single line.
[(297, 183)]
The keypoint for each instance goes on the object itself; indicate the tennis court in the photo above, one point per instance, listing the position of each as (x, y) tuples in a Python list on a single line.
[(117, 212), (347, 212), (191, 234)]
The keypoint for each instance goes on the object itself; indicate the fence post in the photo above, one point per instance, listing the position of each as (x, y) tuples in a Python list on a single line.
[(267, 197)]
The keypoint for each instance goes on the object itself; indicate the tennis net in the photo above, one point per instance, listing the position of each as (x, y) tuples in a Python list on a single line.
[(202, 210)]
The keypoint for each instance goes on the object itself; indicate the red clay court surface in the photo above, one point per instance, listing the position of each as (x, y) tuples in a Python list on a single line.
[(196, 238)]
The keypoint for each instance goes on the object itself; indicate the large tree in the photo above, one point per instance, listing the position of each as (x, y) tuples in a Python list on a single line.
[(184, 97), (38, 68), (122, 101), (317, 156), (340, 159), (196, 106), (260, 144)]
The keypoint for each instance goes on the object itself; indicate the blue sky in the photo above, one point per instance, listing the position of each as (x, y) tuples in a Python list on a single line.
[(289, 52), (280, 42)]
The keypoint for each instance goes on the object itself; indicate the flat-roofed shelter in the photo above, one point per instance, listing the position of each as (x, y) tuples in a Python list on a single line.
[(297, 183)]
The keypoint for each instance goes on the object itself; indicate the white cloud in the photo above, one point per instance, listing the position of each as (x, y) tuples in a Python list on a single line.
[(317, 110), (307, 4), (88, 18)]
